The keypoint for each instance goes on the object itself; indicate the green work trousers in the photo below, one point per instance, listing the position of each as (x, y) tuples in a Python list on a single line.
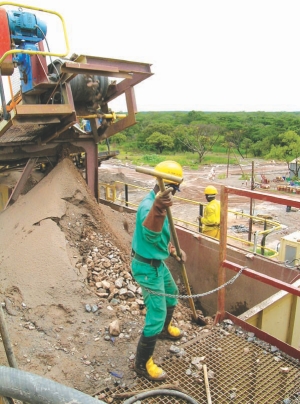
[(160, 281)]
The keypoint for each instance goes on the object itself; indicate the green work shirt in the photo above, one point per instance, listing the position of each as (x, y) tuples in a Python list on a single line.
[(148, 243)]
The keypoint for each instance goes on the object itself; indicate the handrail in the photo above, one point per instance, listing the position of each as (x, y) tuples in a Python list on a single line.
[(30, 52), (224, 263), (275, 225)]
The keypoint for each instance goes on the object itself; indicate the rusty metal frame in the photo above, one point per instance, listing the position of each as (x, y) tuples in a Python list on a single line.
[(58, 119), (283, 346), (132, 73), (226, 264), (22, 181)]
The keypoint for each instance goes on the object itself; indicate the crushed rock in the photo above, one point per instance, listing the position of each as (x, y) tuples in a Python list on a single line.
[(73, 310)]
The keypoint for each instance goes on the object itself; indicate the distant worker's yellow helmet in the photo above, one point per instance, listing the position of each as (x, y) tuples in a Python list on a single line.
[(170, 167), (210, 190)]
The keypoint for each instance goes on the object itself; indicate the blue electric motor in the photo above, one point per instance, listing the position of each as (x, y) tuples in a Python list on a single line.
[(26, 31), (26, 27)]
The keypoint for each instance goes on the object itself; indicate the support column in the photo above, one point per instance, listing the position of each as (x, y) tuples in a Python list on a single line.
[(91, 164)]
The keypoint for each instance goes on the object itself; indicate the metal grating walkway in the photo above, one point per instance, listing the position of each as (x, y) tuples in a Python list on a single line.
[(240, 372)]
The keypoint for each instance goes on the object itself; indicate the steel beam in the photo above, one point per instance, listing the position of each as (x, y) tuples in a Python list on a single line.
[(91, 161), (262, 278), (124, 123), (281, 200), (21, 183)]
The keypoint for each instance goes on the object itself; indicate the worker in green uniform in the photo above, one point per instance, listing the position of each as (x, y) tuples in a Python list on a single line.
[(210, 220), (151, 245)]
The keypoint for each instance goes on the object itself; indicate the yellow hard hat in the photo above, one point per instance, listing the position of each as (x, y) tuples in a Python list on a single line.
[(170, 167), (210, 190)]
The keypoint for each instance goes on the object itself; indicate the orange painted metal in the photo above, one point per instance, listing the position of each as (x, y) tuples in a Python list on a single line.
[(39, 67), (263, 278), (45, 109), (262, 197), (7, 67)]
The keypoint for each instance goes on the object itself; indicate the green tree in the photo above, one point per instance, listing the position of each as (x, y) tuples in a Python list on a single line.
[(180, 132), (119, 138), (235, 137), (246, 145), (160, 141), (146, 132), (287, 150), (199, 139)]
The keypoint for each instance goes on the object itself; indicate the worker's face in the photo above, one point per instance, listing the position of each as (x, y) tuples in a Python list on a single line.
[(209, 197)]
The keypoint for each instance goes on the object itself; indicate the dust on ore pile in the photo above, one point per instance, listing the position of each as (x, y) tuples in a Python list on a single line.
[(73, 311)]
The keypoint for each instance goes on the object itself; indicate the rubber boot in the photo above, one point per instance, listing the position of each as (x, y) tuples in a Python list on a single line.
[(169, 331), (144, 365)]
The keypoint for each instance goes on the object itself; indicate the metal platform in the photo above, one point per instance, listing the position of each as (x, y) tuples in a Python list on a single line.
[(241, 369)]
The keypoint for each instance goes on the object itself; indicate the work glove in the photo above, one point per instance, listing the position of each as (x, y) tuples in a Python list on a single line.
[(173, 253), (163, 199), (156, 216)]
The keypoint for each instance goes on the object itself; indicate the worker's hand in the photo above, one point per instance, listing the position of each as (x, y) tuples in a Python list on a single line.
[(156, 216), (199, 218), (163, 199), (172, 251), (183, 256)]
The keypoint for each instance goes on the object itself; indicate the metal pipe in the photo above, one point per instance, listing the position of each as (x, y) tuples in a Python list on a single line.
[(34, 389), (107, 116), (159, 174)]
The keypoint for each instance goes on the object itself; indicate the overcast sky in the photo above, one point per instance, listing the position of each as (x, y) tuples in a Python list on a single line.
[(206, 55)]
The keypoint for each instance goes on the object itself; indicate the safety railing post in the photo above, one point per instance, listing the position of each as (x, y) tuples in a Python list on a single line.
[(201, 214), (126, 195), (255, 241), (263, 240), (222, 253)]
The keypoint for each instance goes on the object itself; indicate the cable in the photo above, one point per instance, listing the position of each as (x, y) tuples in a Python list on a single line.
[(289, 264), (158, 392), (53, 65)]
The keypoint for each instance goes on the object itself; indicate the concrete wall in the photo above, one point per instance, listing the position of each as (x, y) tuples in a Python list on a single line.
[(202, 270)]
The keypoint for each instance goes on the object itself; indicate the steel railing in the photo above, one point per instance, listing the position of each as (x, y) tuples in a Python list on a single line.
[(113, 193)]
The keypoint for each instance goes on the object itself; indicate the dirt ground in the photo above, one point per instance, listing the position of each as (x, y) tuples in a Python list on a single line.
[(73, 311)]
